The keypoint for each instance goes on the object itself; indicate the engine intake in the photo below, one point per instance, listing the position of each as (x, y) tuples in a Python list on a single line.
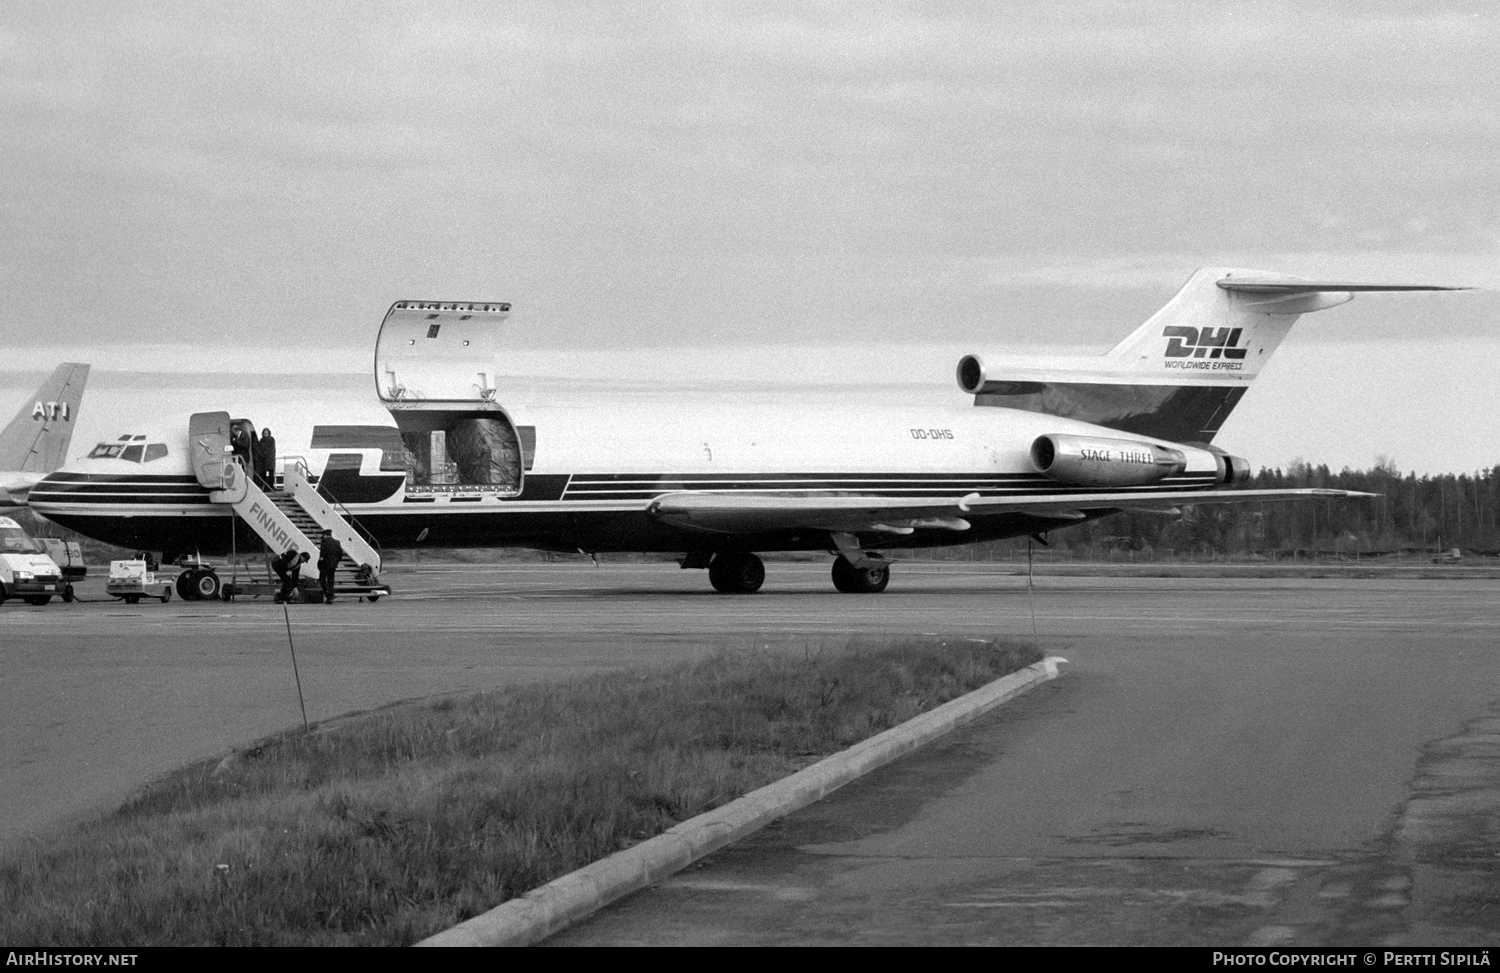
[(1083, 461), (971, 375)]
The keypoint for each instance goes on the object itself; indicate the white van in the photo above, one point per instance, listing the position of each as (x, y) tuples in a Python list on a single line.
[(25, 571)]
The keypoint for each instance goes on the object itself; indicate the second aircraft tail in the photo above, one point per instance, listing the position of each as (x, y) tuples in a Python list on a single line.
[(37, 439)]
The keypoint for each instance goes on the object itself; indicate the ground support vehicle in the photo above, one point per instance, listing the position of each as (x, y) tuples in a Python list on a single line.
[(133, 580), (68, 555), (25, 571)]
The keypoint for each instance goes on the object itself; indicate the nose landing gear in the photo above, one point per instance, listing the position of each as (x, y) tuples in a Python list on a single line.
[(198, 583)]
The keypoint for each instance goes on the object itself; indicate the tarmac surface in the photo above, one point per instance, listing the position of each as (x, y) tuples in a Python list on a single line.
[(1225, 761)]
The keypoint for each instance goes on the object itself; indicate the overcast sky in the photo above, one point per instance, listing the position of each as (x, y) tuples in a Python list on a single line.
[(732, 175)]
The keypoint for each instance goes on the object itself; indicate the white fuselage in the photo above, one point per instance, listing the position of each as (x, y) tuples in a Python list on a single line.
[(593, 466)]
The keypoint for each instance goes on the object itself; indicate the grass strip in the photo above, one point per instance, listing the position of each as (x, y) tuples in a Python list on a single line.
[(386, 828)]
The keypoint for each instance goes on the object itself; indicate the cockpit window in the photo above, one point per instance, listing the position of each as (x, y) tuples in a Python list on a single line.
[(130, 449)]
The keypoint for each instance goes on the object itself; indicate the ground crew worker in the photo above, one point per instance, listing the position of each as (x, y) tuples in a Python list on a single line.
[(330, 552), (288, 567), (265, 458)]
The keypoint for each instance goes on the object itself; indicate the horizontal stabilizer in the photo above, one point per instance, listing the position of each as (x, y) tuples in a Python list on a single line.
[(1270, 285)]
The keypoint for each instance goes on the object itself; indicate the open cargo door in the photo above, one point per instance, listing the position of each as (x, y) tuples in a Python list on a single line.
[(435, 372)]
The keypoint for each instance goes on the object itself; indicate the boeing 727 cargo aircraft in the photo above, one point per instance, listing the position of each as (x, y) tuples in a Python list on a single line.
[(1026, 447)]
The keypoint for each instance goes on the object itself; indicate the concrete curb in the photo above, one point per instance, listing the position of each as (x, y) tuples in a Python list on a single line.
[(542, 912)]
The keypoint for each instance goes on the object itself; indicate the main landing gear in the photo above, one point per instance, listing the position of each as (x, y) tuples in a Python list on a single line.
[(851, 580), (736, 572), (742, 573)]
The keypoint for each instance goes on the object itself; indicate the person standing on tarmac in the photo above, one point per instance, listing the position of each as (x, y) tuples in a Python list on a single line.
[(330, 552), (265, 458), (288, 568)]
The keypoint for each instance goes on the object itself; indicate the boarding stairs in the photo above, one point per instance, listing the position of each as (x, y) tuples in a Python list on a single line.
[(358, 571), (293, 516)]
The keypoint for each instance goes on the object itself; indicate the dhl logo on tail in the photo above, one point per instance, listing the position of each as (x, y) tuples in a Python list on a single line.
[(1187, 342)]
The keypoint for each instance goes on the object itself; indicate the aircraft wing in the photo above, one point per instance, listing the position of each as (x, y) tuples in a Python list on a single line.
[(749, 512)]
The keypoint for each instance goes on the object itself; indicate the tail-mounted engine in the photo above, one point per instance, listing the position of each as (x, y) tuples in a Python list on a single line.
[(1091, 461), (1233, 470), (1085, 461), (971, 376)]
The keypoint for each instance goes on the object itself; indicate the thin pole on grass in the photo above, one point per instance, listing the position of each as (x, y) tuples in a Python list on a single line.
[(295, 674), (1030, 594)]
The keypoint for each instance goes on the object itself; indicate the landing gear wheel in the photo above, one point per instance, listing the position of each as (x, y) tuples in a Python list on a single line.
[(859, 581), (67, 594), (736, 573), (205, 585)]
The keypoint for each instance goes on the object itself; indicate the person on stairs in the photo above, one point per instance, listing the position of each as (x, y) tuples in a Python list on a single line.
[(330, 552)]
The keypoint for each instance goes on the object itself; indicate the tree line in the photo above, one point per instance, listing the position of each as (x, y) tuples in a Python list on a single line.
[(1411, 514)]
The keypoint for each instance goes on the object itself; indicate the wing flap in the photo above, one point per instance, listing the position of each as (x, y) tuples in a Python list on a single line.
[(747, 513)]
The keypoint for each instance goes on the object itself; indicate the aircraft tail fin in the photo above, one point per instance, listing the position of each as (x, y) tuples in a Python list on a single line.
[(1225, 324), (37, 439), (1179, 375)]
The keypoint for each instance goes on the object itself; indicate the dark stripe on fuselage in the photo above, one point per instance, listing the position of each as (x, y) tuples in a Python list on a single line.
[(1179, 413), (792, 477), (357, 437), (122, 499), (618, 487), (388, 440), (342, 481), (542, 487), (62, 476), (111, 486), (117, 488)]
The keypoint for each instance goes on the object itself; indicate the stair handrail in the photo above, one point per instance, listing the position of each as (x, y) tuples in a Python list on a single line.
[(337, 504), (364, 531)]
